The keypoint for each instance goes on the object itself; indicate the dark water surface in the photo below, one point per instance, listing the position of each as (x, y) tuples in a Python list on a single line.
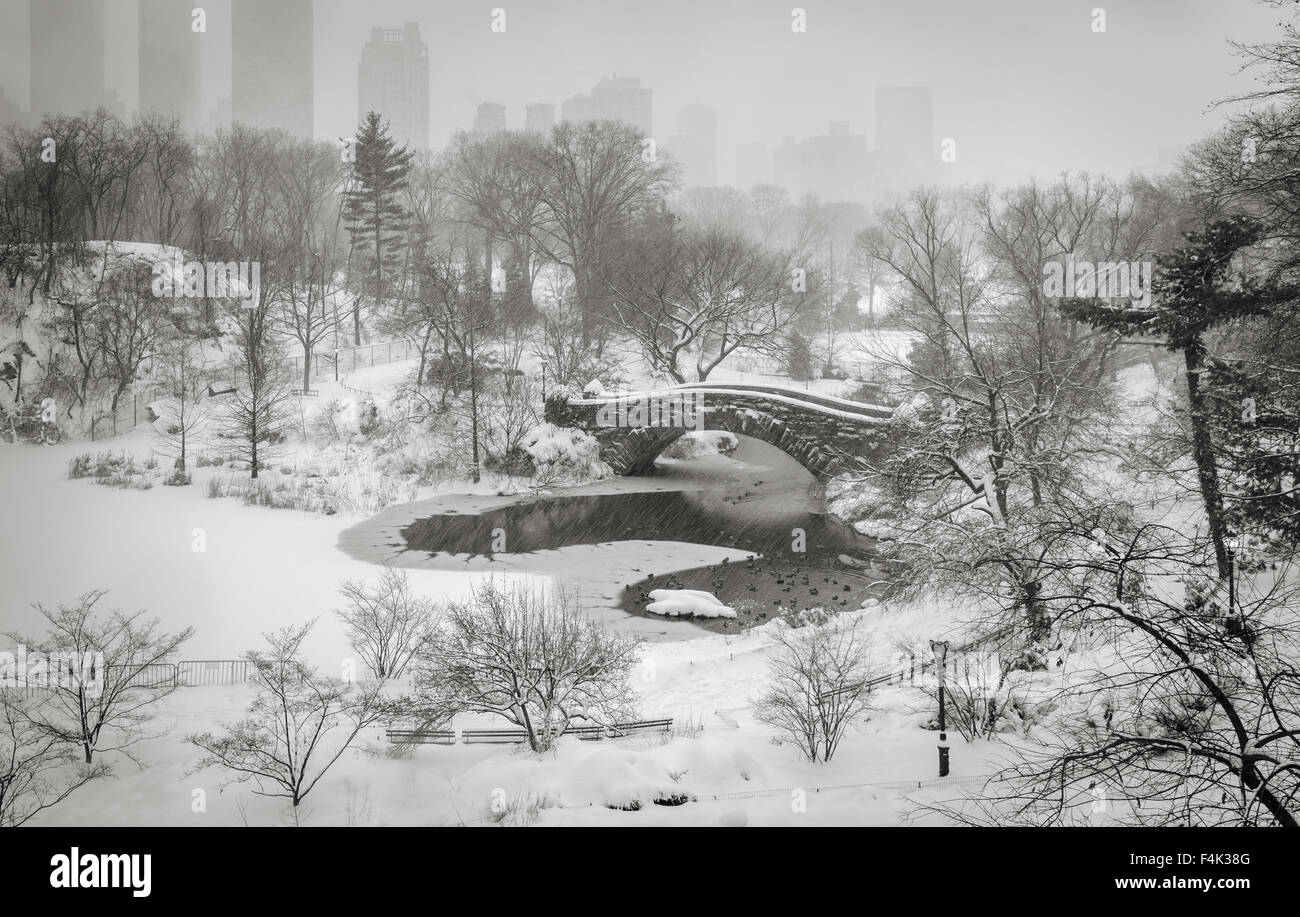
[(759, 505)]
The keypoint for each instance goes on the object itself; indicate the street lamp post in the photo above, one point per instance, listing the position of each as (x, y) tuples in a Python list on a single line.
[(1232, 576), (940, 650)]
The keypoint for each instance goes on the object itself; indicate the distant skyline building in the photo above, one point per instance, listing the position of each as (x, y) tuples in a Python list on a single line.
[(695, 145), (835, 165), (787, 167), (904, 146), (10, 111), (539, 118), (490, 118), (67, 56), (219, 116), (753, 166), (615, 98), (271, 64), (169, 61), (393, 80)]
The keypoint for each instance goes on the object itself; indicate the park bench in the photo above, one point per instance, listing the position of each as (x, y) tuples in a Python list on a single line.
[(517, 736), (493, 736)]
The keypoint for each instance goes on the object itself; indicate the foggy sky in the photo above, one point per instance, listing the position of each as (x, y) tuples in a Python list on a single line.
[(1024, 86)]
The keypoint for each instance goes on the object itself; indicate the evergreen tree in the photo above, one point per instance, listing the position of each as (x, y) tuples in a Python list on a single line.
[(1257, 422), (1194, 294), (798, 357), (373, 212)]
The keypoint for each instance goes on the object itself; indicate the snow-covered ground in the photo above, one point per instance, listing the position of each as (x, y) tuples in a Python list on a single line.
[(260, 569), (719, 754), (234, 572)]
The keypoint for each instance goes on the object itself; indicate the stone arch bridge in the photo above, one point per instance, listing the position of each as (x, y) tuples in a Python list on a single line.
[(826, 435)]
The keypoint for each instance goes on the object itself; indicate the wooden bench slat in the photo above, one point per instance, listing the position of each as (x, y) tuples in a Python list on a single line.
[(502, 736)]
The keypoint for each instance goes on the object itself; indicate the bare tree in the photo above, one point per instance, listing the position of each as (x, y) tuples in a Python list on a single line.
[(703, 294), (818, 685), (386, 622), (185, 376), (311, 252), (1007, 408), (592, 175), (37, 770), (1191, 716), (535, 660), (256, 416), (558, 343), (107, 676), (297, 727)]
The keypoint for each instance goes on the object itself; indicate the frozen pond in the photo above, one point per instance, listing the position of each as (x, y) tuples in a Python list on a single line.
[(606, 537)]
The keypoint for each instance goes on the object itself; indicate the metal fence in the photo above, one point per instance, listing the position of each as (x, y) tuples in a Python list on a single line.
[(198, 672), (182, 674)]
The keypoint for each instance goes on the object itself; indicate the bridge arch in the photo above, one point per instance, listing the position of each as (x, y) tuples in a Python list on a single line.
[(828, 436)]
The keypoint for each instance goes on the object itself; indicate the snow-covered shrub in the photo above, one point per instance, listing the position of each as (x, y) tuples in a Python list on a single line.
[(566, 454), (115, 469), (484, 656), (518, 810), (385, 622), (346, 419), (817, 686)]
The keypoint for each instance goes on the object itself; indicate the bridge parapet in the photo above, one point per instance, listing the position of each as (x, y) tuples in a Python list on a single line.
[(828, 436)]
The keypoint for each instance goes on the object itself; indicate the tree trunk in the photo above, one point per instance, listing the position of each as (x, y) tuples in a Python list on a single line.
[(1207, 469)]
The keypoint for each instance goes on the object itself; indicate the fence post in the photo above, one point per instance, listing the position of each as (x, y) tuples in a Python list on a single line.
[(135, 409)]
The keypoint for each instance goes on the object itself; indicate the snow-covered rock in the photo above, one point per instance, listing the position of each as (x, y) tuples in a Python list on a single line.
[(702, 442), (687, 602)]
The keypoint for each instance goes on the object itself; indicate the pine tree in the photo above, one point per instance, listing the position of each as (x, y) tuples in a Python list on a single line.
[(373, 212), (1194, 294), (798, 357), (1257, 422)]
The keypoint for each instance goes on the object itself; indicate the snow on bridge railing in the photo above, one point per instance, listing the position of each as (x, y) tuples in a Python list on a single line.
[(819, 404)]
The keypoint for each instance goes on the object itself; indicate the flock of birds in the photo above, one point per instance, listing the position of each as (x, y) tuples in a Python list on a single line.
[(754, 574)]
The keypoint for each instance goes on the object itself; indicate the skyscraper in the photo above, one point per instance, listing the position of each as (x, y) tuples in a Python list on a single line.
[(67, 56), (835, 166), (490, 118), (753, 166), (393, 79), (169, 61), (271, 64), (696, 144), (787, 168), (614, 98), (905, 146), (539, 118)]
